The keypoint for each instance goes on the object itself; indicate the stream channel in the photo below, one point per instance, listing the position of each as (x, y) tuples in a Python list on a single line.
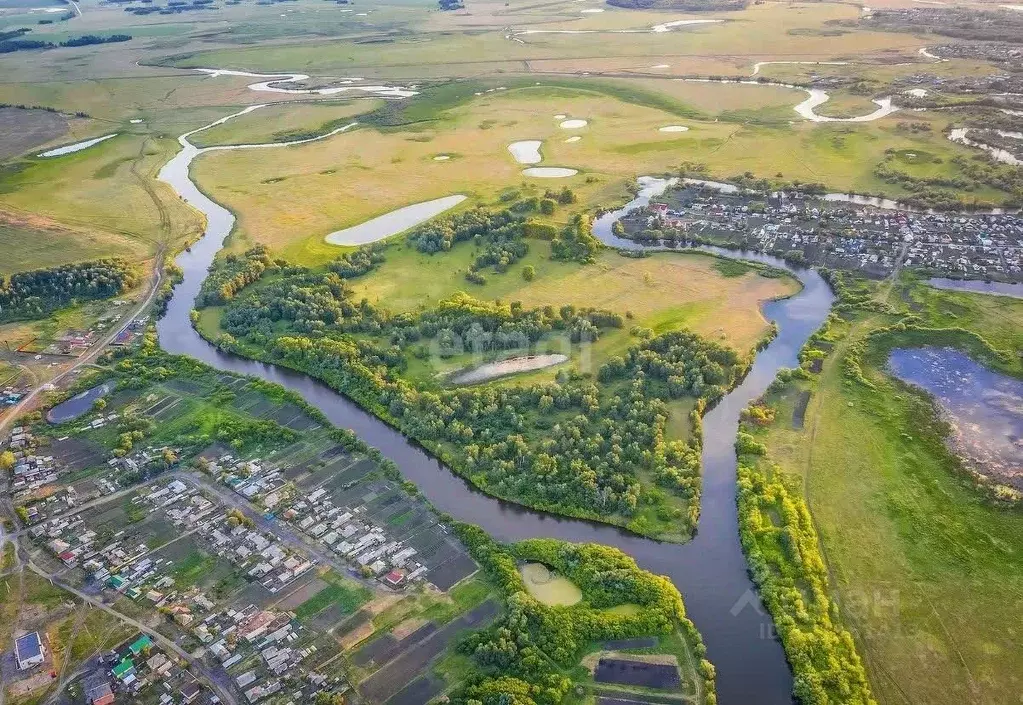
[(710, 571)]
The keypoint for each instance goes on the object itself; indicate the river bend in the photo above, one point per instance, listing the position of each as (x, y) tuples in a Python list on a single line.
[(710, 571)]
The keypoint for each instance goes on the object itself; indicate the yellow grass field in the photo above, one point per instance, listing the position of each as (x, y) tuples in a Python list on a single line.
[(663, 292), (668, 291), (761, 32), (291, 202), (110, 188), (276, 122)]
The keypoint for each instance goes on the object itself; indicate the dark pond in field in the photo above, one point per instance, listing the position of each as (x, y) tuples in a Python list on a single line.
[(710, 571), (984, 408), (974, 286), (78, 405)]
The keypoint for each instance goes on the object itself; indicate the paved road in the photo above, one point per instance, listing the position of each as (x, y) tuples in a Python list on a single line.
[(94, 352), (225, 694)]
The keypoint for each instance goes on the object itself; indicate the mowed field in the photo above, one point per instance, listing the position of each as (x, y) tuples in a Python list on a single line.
[(929, 577), (31, 242)]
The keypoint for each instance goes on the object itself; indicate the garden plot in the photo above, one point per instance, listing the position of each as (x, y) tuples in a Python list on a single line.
[(339, 485), (303, 592), (661, 674), (354, 624), (77, 454), (328, 618), (391, 679), (421, 690), (163, 408), (186, 386), (252, 594), (386, 647), (448, 574)]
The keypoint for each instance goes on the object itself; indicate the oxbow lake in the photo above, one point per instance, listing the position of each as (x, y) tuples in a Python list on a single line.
[(983, 407)]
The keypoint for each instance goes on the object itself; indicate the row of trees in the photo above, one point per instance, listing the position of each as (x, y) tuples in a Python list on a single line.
[(787, 566), (37, 293), (358, 262), (783, 550)]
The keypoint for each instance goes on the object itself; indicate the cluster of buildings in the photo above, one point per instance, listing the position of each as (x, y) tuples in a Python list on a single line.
[(71, 342), (140, 672), (267, 653), (838, 234), (347, 532), (264, 558), (30, 471)]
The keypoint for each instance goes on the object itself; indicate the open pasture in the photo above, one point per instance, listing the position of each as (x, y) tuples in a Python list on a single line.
[(663, 292), (761, 32), (30, 242), (291, 121), (292, 201), (110, 188), (925, 571)]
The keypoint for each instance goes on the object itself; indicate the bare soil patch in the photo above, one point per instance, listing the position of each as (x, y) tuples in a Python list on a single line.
[(22, 129)]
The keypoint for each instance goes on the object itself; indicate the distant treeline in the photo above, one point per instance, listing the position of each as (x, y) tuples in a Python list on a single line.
[(37, 293), (681, 5), (87, 39), (10, 43), (173, 7)]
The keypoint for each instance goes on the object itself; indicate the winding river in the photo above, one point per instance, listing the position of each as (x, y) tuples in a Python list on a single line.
[(710, 571)]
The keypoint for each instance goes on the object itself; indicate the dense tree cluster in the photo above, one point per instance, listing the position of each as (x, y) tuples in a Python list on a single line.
[(569, 446), (88, 39), (232, 274), (358, 262), (575, 242), (463, 323), (498, 235), (521, 657), (440, 234), (309, 301), (784, 557), (499, 249), (39, 292), (676, 364), (9, 41)]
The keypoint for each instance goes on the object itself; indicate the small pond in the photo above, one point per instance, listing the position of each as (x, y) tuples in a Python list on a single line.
[(78, 405), (394, 222), (983, 407), (549, 172), (493, 370), (526, 151), (76, 147), (549, 587), (974, 286)]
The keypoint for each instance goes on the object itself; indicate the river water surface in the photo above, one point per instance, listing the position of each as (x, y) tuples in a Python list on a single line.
[(710, 571)]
